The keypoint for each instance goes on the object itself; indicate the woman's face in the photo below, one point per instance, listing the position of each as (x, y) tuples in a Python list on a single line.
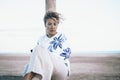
[(51, 27)]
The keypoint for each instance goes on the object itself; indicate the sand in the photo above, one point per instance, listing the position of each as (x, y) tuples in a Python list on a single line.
[(82, 67)]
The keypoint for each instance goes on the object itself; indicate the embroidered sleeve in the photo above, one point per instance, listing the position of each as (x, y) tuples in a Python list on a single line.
[(66, 53), (56, 43), (60, 43)]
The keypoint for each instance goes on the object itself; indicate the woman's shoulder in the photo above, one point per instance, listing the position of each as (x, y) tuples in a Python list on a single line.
[(41, 39), (61, 35)]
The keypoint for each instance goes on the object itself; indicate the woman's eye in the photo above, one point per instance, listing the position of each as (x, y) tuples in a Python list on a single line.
[(49, 24), (55, 24)]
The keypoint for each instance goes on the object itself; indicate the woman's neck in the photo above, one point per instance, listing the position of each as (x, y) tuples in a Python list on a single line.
[(51, 35)]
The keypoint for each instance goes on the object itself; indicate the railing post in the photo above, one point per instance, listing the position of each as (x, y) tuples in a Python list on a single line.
[(50, 5)]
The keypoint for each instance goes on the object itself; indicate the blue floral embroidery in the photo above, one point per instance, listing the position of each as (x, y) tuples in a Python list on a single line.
[(57, 42), (66, 53)]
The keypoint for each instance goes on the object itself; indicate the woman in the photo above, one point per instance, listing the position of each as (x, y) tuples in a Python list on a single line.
[(50, 58)]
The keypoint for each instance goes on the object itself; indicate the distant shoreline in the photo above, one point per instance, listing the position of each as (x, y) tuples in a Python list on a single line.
[(72, 55)]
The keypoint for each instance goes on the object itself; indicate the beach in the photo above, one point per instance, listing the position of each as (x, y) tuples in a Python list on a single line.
[(82, 67)]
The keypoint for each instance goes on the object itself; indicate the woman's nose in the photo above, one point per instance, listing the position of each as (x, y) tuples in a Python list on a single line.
[(52, 25)]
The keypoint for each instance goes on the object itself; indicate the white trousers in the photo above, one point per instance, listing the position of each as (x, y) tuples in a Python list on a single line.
[(47, 65)]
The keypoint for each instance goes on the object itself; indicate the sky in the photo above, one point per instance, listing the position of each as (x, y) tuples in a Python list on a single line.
[(90, 25)]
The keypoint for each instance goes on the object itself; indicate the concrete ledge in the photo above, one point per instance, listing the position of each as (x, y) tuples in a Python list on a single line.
[(10, 77)]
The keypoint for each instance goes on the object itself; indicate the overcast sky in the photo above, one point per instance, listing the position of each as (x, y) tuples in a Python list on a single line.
[(91, 25)]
